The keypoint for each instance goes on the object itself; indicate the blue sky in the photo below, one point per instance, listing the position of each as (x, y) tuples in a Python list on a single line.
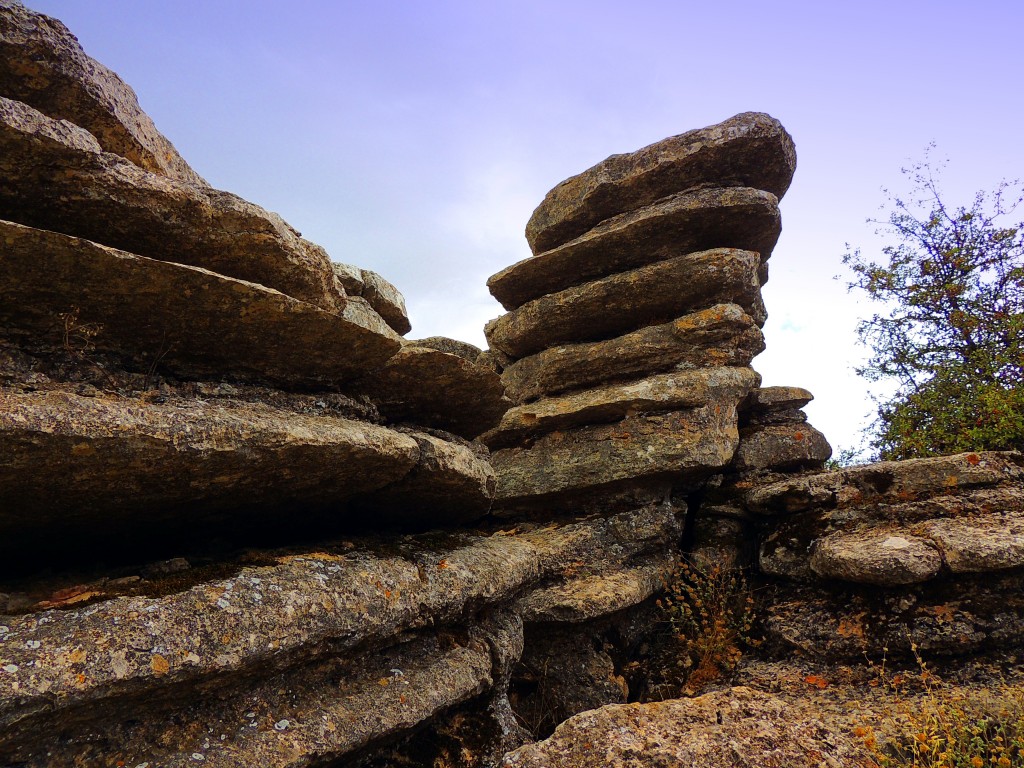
[(416, 138)]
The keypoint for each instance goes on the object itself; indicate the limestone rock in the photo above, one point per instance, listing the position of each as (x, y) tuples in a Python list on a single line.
[(436, 389), (43, 65), (768, 398), (749, 150), (735, 217), (982, 543), (52, 177), (624, 302), (384, 297), (177, 317), (678, 444), (664, 392), (886, 559), (738, 727), (723, 335), (70, 460), (782, 447)]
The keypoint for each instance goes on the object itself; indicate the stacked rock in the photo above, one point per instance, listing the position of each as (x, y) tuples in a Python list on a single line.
[(775, 442), (628, 342), (926, 552), (171, 353)]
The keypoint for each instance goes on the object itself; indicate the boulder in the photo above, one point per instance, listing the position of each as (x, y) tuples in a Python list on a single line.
[(384, 297), (54, 176), (722, 335), (438, 389), (782, 447), (734, 217), (751, 149), (733, 728), (43, 65), (678, 445), (163, 316), (626, 301), (664, 392)]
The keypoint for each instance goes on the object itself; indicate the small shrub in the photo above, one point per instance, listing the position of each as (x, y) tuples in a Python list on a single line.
[(949, 728), (711, 615)]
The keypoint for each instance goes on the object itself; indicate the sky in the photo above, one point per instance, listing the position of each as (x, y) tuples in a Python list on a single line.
[(416, 138)]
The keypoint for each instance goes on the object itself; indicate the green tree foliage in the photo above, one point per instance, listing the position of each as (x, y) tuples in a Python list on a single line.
[(951, 336)]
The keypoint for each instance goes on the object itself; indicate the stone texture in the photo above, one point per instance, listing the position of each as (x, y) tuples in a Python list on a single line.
[(782, 447), (664, 392), (884, 558), (384, 297), (70, 460), (769, 398), (735, 728), (43, 65), (723, 335), (432, 388), (298, 608), (679, 445), (736, 217), (751, 149), (53, 176), (463, 349), (179, 318), (623, 302)]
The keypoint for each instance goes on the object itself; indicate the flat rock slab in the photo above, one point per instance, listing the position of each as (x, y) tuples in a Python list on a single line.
[(738, 727), (626, 301), (180, 318), (303, 607), (664, 392), (439, 389), (884, 558), (679, 444), (723, 335), (53, 175), (737, 217), (384, 297), (43, 65), (782, 447), (887, 482), (751, 149)]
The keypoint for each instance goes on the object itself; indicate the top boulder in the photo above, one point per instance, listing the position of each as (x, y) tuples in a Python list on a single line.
[(43, 65), (751, 149)]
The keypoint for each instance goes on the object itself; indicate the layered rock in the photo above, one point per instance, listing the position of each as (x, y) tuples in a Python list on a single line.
[(631, 331)]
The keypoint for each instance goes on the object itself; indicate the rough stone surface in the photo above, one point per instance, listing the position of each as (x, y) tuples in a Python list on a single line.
[(735, 728), (749, 150), (463, 349), (43, 65), (679, 444), (69, 460), (302, 606), (769, 398), (384, 297), (624, 302), (664, 392), (884, 558), (736, 217), (782, 447), (723, 335), (179, 318), (426, 386), (53, 176)]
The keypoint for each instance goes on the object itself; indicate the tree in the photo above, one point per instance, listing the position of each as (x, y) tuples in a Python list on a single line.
[(951, 337)]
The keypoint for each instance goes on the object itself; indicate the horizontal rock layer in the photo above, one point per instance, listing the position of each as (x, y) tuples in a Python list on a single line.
[(384, 297), (111, 461), (737, 217), (678, 390), (723, 335), (53, 175), (749, 150), (42, 64), (626, 301), (74, 293)]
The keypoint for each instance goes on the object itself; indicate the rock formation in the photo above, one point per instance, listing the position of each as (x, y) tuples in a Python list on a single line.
[(243, 521)]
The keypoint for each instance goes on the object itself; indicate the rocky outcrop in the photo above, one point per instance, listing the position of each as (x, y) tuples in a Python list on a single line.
[(378, 292), (42, 65), (631, 332), (735, 728)]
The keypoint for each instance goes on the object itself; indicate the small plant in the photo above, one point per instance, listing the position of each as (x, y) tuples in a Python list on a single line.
[(711, 614), (949, 728)]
